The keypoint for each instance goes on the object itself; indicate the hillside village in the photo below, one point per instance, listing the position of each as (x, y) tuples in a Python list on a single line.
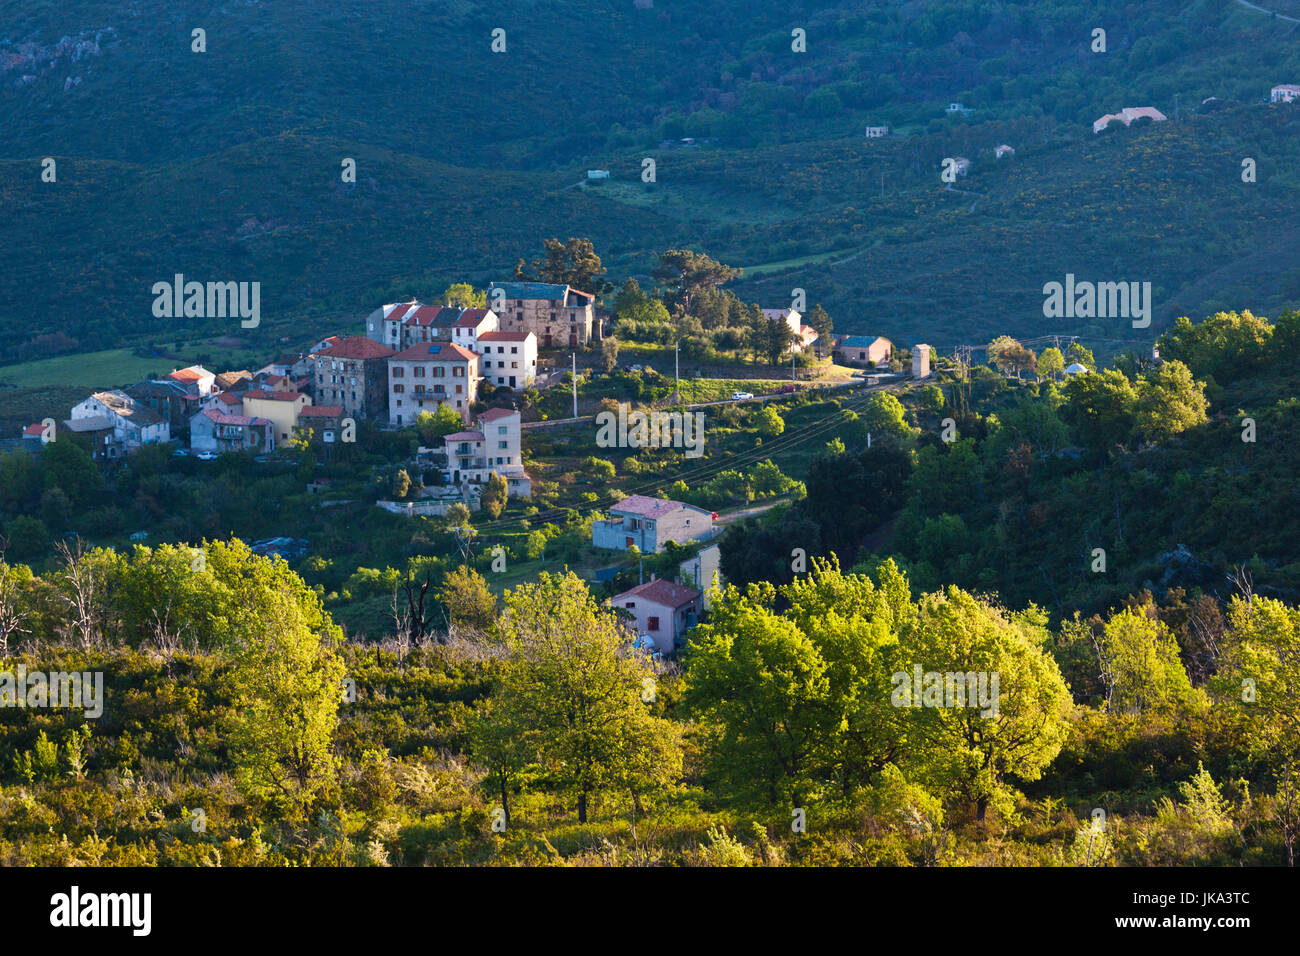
[(469, 369)]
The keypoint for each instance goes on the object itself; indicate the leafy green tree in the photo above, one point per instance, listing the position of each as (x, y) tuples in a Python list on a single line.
[(609, 353), (1100, 407), (768, 422), (686, 273), (401, 486), (762, 681), (568, 672), (286, 684), (1140, 664), (465, 296), (1076, 354), (573, 262), (820, 322), (495, 494), (468, 599), (1224, 346), (1169, 401), (435, 425), (1051, 363), (67, 466), (966, 752), (885, 419)]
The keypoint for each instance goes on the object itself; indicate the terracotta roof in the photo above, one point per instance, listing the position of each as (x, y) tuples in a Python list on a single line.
[(223, 419), (646, 507), (225, 398), (433, 352), (321, 411), (357, 347), (492, 414), (191, 374), (661, 591), (505, 336), (464, 436), (36, 430)]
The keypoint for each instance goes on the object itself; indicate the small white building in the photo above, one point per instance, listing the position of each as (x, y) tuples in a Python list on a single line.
[(472, 323), (493, 445), (877, 132), (1285, 93), (134, 423), (508, 358), (598, 174), (661, 611), (1076, 369), (920, 361)]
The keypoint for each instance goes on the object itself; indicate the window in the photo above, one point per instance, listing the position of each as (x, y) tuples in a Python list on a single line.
[(458, 371), (501, 429), (398, 389), (652, 623), (514, 350), (502, 444), (419, 371), (398, 371)]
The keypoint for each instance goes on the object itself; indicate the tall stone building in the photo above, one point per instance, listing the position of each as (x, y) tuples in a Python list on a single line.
[(354, 374), (561, 317)]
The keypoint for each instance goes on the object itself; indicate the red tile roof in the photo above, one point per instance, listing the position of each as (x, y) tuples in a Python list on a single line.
[(464, 436), (661, 591), (34, 430), (505, 336), (357, 347), (434, 352), (492, 414), (646, 507)]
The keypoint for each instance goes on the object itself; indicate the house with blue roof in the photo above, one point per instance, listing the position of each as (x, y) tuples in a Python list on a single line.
[(559, 315), (863, 351)]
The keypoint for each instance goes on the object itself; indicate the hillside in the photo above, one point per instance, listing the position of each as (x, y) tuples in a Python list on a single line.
[(467, 159)]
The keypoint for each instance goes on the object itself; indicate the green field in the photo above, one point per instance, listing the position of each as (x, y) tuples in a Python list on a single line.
[(114, 368), (108, 369)]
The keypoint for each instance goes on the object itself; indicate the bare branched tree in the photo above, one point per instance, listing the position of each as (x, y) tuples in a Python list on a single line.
[(12, 614)]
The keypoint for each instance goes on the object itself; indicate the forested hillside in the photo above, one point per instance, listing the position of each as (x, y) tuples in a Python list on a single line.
[(225, 164)]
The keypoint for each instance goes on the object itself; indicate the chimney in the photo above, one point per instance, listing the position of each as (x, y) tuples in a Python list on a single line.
[(652, 575)]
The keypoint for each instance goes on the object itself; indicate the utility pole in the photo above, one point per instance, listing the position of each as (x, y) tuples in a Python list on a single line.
[(792, 365), (677, 372), (575, 384)]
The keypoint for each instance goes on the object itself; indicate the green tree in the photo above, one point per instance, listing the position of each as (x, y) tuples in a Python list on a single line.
[(468, 599), (1169, 401), (495, 494), (821, 322), (768, 421), (686, 273), (435, 425), (609, 353), (1051, 363), (1100, 407), (573, 263), (401, 486), (286, 684), (1140, 665), (568, 672), (1076, 354), (967, 752), (465, 296), (762, 681), (884, 417)]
